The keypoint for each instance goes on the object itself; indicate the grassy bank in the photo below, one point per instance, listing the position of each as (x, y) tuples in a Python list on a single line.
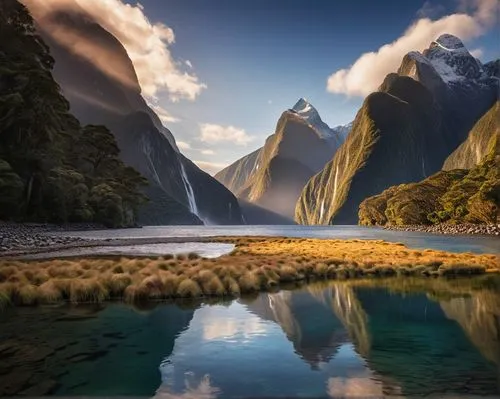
[(256, 264)]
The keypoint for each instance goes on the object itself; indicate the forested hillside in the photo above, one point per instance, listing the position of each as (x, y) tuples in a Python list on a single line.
[(53, 169)]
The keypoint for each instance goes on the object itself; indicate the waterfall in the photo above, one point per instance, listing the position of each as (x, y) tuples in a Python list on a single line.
[(193, 208)]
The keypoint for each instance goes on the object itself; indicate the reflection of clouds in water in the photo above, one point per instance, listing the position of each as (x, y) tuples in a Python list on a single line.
[(353, 387), (234, 323), (224, 329), (202, 390)]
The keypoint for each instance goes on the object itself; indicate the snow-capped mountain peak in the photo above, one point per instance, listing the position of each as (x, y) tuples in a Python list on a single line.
[(304, 108), (308, 113), (450, 43), (448, 58)]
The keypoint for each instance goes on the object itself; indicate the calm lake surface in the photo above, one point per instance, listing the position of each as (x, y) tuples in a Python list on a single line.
[(458, 243), (371, 338)]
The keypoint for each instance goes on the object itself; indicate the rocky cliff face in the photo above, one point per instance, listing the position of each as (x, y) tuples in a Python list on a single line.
[(105, 90), (475, 148), (456, 196), (404, 132), (273, 176)]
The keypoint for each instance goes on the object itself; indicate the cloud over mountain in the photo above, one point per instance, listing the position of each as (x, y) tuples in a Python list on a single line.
[(213, 133), (472, 20), (148, 44)]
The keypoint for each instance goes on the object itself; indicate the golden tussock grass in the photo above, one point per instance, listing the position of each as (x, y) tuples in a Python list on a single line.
[(256, 264)]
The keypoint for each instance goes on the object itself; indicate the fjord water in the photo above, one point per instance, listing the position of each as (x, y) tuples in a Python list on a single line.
[(363, 338), (453, 243)]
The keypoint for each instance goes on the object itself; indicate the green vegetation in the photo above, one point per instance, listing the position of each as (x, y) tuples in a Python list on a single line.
[(475, 148), (257, 264), (52, 169), (455, 196), (394, 134)]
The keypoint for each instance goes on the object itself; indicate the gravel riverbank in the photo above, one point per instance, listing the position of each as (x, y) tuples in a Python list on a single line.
[(25, 237), (477, 229)]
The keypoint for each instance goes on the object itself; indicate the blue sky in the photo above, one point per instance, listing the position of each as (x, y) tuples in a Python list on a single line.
[(258, 57)]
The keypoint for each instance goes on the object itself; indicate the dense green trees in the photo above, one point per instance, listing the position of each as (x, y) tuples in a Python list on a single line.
[(51, 168), (453, 196)]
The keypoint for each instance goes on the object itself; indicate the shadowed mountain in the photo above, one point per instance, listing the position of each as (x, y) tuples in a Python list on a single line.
[(456, 196), (404, 132), (98, 78), (475, 148), (274, 175)]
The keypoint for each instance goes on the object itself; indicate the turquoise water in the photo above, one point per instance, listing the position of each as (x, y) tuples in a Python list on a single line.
[(328, 340), (457, 243)]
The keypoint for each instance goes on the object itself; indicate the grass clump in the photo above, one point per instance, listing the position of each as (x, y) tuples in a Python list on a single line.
[(189, 289), (28, 294), (117, 284), (87, 290), (258, 264), (248, 282), (49, 292)]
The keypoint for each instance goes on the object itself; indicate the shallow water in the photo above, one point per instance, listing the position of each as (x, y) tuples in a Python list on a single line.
[(206, 250), (325, 340), (458, 243)]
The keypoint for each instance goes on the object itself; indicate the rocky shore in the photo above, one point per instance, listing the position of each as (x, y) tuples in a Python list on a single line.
[(481, 229), (20, 237)]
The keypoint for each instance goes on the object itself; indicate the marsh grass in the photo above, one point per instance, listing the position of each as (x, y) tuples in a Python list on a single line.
[(256, 264)]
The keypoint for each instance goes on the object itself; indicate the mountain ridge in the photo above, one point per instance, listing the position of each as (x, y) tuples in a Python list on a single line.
[(415, 102), (273, 175), (98, 97)]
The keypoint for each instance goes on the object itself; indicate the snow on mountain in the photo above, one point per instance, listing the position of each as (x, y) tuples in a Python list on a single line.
[(343, 130), (450, 59), (306, 111)]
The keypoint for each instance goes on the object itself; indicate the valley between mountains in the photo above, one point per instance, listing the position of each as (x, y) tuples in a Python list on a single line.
[(422, 150)]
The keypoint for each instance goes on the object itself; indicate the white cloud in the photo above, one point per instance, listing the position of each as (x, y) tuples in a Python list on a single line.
[(189, 64), (211, 167), (207, 152), (369, 70), (147, 44), (212, 133), (477, 52), (183, 145), (162, 113), (353, 387)]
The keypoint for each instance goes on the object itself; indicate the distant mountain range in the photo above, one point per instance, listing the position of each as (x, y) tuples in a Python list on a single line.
[(273, 176), (405, 131), (179, 192), (439, 110)]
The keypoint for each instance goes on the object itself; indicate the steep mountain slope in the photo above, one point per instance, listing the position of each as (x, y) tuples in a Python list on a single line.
[(236, 175), (472, 150), (274, 175), (52, 168), (105, 90), (403, 132), (454, 196)]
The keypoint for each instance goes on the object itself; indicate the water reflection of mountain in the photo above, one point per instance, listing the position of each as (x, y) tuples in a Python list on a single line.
[(479, 317), (72, 351), (317, 320), (399, 336), (412, 336)]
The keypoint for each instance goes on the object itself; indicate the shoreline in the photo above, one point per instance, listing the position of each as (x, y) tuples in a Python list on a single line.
[(17, 239), (450, 229), (256, 264)]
